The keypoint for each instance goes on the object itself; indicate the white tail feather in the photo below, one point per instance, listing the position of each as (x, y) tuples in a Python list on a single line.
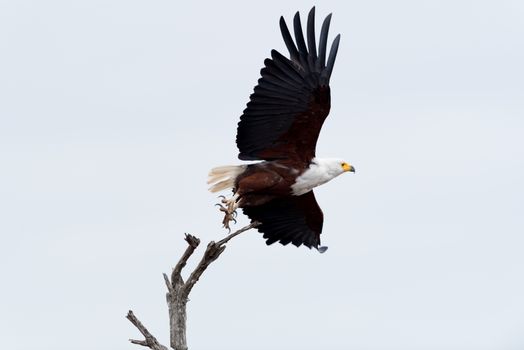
[(223, 177)]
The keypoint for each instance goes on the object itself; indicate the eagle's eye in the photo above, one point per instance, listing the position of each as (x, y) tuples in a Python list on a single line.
[(346, 167)]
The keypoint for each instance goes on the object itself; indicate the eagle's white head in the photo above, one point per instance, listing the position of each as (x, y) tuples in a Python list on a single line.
[(320, 171), (332, 166)]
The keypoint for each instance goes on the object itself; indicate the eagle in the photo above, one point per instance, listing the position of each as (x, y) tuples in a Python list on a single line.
[(279, 128)]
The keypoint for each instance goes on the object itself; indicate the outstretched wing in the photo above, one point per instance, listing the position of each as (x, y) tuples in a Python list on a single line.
[(292, 99), (290, 219)]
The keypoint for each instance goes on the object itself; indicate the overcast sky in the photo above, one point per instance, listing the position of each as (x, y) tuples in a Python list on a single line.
[(112, 113)]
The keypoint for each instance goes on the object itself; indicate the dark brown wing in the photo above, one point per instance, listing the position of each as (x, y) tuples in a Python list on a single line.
[(292, 99), (290, 219)]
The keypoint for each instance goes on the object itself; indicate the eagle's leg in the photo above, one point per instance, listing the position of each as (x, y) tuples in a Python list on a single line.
[(229, 208)]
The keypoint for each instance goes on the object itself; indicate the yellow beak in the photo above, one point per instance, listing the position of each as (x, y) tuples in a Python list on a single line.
[(348, 167)]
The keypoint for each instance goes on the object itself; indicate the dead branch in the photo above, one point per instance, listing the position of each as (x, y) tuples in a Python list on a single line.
[(178, 291), (150, 341)]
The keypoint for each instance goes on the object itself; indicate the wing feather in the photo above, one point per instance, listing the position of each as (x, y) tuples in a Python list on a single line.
[(331, 59), (321, 62), (299, 36), (311, 35), (288, 40), (311, 45)]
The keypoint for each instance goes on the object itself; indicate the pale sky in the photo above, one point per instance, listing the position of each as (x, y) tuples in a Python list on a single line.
[(112, 113)]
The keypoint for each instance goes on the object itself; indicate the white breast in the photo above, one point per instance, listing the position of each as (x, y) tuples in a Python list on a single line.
[(312, 177)]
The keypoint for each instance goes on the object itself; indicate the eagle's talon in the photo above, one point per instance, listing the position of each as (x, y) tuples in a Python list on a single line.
[(221, 207), (228, 207), (225, 222)]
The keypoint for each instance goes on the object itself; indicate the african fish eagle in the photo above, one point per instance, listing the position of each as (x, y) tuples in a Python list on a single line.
[(280, 127)]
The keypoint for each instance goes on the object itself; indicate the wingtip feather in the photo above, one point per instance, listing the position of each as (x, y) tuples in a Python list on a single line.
[(288, 40), (322, 45), (311, 34), (299, 35), (332, 55)]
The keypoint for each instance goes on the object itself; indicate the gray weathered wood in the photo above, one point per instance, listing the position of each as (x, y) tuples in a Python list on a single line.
[(150, 341), (178, 292)]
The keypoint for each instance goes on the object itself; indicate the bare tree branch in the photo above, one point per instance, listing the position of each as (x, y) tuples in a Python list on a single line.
[(168, 284), (193, 243), (150, 341), (178, 291), (236, 233)]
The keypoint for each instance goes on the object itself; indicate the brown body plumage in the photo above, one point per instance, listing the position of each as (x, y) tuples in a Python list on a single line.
[(262, 182)]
